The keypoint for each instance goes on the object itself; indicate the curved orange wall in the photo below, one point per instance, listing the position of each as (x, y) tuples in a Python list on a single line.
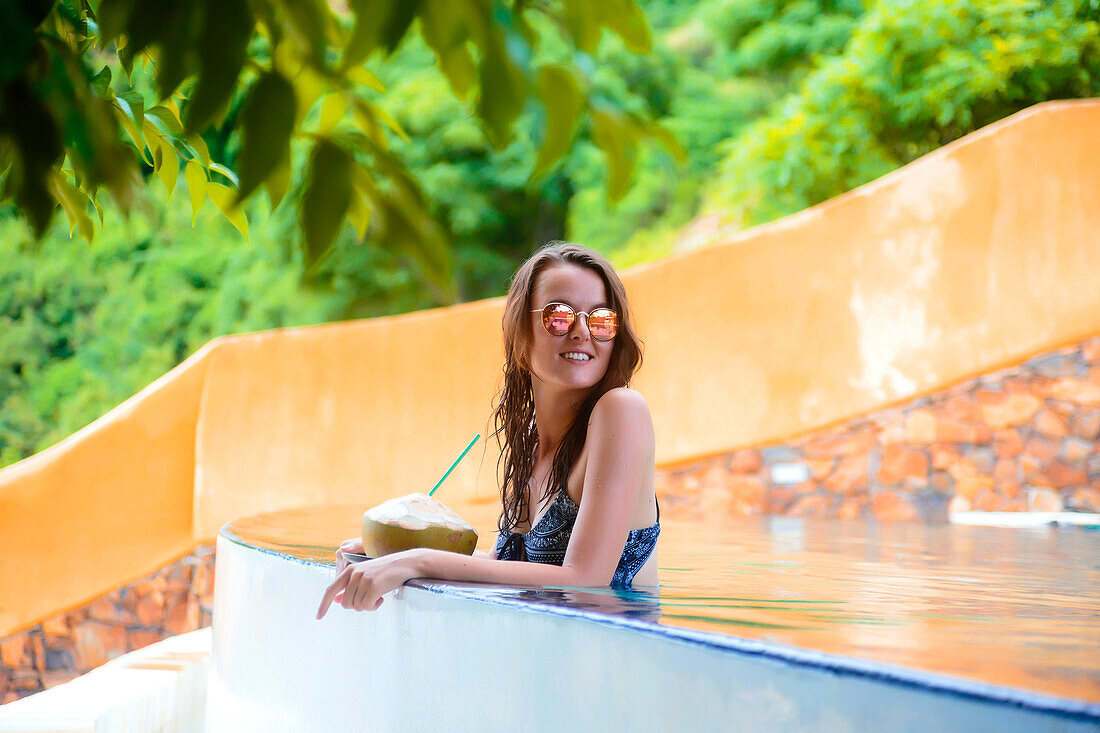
[(975, 256)]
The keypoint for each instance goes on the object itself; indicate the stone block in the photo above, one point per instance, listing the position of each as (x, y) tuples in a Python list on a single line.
[(892, 506), (961, 408), (15, 651), (1050, 424), (96, 643), (1085, 424), (59, 653), (55, 677), (1085, 500), (899, 464), (780, 499), (970, 486), (38, 651), (25, 681), (852, 507), (139, 638), (1090, 351), (1007, 443), (812, 505), (150, 609), (951, 430), (1040, 499), (988, 501), (1075, 450), (920, 426), (1040, 449), (1058, 475), (1001, 410), (891, 433), (56, 625), (849, 476), (746, 461), (856, 441), (111, 612), (820, 467), (1079, 391), (943, 456), (1006, 471), (748, 494)]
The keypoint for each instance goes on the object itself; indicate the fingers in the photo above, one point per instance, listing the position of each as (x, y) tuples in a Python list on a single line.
[(338, 585)]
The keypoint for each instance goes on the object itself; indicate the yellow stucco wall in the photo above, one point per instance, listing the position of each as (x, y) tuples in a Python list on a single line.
[(978, 255)]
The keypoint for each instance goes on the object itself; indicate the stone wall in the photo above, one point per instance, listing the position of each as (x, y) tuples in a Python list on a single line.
[(175, 599), (1018, 439)]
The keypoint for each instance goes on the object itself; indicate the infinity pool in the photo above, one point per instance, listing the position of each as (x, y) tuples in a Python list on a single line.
[(1012, 609)]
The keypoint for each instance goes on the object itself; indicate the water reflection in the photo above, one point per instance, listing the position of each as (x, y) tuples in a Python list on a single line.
[(1011, 607)]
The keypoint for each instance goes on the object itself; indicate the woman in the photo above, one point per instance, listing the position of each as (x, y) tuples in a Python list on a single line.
[(577, 446)]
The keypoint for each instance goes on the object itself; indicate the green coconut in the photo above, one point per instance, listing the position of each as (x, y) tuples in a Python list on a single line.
[(416, 520)]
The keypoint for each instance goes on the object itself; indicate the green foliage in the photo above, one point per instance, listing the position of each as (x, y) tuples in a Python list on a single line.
[(790, 101), (260, 66), (914, 76)]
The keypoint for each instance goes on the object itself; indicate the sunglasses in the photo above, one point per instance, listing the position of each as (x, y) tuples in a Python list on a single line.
[(558, 319)]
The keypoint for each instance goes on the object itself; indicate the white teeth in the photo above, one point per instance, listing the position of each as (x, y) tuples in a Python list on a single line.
[(577, 357)]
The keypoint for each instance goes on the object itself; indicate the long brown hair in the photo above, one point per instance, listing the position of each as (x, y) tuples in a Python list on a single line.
[(514, 416)]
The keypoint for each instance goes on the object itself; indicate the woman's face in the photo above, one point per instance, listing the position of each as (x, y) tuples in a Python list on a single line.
[(559, 360)]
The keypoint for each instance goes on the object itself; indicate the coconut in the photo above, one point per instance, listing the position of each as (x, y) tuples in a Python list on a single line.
[(416, 520)]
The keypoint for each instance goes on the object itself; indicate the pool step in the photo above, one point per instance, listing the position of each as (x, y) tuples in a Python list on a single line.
[(159, 687)]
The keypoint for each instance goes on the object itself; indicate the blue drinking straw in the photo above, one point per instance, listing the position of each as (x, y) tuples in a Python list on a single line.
[(460, 457)]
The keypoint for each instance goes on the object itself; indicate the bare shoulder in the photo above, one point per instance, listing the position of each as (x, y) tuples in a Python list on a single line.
[(621, 405)]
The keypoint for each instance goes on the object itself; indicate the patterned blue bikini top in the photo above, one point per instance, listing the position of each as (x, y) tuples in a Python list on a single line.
[(547, 541)]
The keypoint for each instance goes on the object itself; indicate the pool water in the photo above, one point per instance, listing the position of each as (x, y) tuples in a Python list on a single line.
[(1013, 608)]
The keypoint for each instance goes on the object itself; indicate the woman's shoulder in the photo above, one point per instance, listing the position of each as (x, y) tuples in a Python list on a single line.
[(621, 404)]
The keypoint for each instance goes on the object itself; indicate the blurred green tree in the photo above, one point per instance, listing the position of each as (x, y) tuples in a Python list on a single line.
[(70, 128), (915, 75)]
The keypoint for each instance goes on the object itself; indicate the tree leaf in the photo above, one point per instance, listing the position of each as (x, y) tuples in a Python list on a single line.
[(308, 22), (169, 169), (502, 92), (224, 171), (333, 110), (378, 23), (101, 82), (359, 213), (561, 95), (267, 121), (196, 184), (278, 181), (443, 24), (73, 203), (127, 116), (326, 198), (360, 75), (225, 198), (198, 146), (616, 138), (626, 19), (165, 119), (222, 45)]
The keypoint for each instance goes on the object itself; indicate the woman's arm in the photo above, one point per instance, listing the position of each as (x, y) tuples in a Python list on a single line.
[(620, 436)]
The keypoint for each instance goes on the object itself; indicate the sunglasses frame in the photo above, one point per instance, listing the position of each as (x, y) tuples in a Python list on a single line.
[(576, 314)]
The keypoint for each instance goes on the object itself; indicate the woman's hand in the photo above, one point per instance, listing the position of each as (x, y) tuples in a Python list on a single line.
[(360, 586), (354, 546)]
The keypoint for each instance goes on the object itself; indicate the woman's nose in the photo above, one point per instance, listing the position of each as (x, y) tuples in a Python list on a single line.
[(577, 326)]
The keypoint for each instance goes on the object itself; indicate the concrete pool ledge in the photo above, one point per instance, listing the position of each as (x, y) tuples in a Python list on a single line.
[(468, 656), (161, 687), (1026, 520)]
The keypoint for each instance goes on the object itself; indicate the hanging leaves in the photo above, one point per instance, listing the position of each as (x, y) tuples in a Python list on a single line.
[(326, 198), (267, 121), (279, 59)]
